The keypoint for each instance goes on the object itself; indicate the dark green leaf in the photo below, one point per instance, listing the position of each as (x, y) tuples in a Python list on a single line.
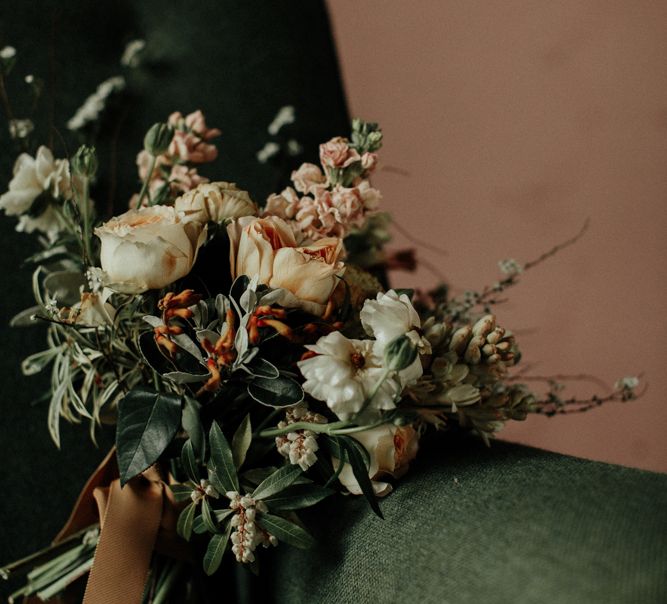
[(147, 423), (260, 367), (193, 426), (185, 519), (189, 462), (360, 471), (221, 515), (221, 463), (241, 441), (199, 526), (297, 497), (182, 492), (209, 523), (282, 391), (286, 531), (216, 548), (278, 481)]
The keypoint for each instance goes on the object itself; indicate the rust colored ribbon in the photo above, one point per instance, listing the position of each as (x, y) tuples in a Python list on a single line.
[(134, 520)]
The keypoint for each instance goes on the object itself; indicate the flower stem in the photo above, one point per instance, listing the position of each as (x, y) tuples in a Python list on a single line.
[(144, 188)]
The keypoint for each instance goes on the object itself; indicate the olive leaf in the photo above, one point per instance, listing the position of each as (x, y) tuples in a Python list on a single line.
[(282, 391), (286, 531)]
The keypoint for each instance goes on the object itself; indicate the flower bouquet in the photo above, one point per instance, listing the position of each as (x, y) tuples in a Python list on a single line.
[(252, 357)]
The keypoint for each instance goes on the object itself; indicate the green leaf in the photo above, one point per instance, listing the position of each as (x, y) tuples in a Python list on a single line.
[(209, 523), (360, 471), (199, 526), (216, 548), (241, 441), (221, 515), (184, 524), (193, 426), (147, 423), (276, 482), (282, 391), (221, 463), (286, 531), (260, 367), (189, 461), (297, 497), (182, 492)]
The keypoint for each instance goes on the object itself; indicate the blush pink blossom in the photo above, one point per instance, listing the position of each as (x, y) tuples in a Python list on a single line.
[(308, 178), (337, 153), (190, 138)]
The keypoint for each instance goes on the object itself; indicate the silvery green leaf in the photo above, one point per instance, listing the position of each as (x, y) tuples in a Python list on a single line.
[(181, 377), (221, 515), (76, 400), (189, 461), (48, 254), (184, 342), (153, 321), (26, 318), (207, 334), (65, 286), (248, 300), (221, 305), (241, 341), (182, 492), (286, 531), (36, 362)]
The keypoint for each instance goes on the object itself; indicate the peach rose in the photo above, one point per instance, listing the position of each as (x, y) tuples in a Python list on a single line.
[(215, 202), (266, 247), (148, 248), (337, 153), (391, 449)]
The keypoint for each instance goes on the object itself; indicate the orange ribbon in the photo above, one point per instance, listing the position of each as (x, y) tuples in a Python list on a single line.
[(135, 521)]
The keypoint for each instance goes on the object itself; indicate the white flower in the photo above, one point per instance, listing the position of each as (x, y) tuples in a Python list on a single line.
[(390, 448), (148, 248), (132, 52), (390, 316), (32, 177), (19, 129), (346, 373), (8, 52), (215, 202), (267, 152), (284, 117)]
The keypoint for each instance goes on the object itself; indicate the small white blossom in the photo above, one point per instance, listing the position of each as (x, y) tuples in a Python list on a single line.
[(131, 54), (300, 447), (284, 117), (8, 52), (19, 129), (294, 147), (247, 536), (29, 79), (267, 152)]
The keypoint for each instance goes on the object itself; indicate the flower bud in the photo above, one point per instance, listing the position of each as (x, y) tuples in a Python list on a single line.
[(84, 162), (158, 138), (400, 353)]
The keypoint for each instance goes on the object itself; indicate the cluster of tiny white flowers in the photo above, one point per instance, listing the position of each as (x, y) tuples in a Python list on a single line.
[(299, 447), (95, 277), (285, 116), (267, 152), (95, 103), (247, 536), (205, 489), (8, 52)]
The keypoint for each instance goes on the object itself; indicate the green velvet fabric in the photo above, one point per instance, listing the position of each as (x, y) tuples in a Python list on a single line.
[(509, 524), (505, 525)]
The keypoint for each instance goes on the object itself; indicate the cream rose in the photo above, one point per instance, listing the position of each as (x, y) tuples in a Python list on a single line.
[(391, 449), (148, 248), (266, 247), (215, 202)]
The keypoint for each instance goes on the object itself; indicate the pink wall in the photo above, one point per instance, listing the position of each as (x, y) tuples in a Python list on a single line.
[(515, 121)]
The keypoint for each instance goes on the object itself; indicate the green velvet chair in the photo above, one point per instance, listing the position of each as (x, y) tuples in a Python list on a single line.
[(469, 524)]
